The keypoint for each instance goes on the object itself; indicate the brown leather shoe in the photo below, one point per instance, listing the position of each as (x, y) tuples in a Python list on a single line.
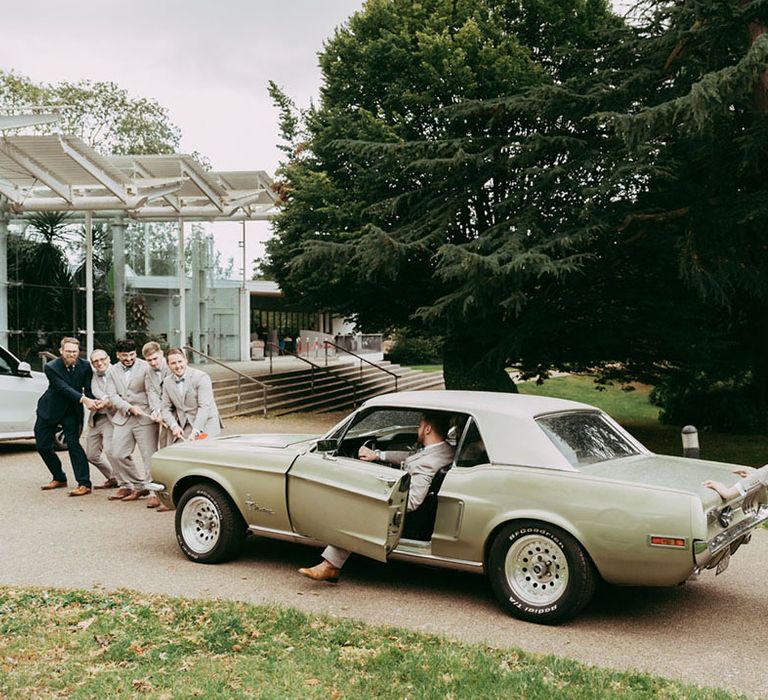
[(80, 491), (108, 484), (133, 496), (324, 571), (153, 502), (121, 493), (163, 509), (54, 485)]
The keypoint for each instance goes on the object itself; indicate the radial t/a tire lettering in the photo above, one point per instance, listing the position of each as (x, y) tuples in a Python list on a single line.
[(209, 528), (539, 572)]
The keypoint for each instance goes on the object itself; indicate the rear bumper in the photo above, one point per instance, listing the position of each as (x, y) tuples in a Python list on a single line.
[(705, 554)]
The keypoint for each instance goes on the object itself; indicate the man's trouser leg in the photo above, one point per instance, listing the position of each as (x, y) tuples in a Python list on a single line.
[(71, 426), (336, 556), (44, 433), (123, 442), (98, 444), (146, 439)]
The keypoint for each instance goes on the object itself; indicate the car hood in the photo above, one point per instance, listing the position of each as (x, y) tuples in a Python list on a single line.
[(277, 440), (677, 473)]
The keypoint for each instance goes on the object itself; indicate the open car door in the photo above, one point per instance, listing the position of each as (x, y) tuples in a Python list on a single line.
[(347, 502)]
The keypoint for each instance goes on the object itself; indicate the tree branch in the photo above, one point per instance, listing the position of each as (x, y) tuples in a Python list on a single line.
[(658, 216)]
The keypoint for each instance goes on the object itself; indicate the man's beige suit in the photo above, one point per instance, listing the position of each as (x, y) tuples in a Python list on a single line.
[(98, 441), (128, 389), (189, 404)]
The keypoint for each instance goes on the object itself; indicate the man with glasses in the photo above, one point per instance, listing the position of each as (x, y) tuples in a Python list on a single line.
[(129, 391), (98, 441), (69, 389)]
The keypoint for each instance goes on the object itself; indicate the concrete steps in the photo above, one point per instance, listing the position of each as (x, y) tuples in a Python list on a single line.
[(339, 386)]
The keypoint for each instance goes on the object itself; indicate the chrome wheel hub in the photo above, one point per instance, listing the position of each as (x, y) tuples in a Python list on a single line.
[(536, 570), (200, 525)]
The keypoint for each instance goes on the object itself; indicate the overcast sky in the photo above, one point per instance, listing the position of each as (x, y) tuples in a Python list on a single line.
[(206, 61)]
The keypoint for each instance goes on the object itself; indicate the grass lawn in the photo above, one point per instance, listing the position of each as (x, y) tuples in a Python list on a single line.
[(91, 644)]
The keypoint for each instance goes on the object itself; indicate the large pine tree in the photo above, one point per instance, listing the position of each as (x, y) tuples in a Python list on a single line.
[(414, 196)]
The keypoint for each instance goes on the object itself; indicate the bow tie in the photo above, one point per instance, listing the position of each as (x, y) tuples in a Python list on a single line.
[(101, 374), (127, 369), (180, 380)]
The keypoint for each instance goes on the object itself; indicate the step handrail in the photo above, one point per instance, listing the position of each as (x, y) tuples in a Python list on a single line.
[(326, 343), (314, 365), (240, 375)]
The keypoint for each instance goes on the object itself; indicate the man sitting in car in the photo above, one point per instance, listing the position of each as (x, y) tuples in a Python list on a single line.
[(434, 454)]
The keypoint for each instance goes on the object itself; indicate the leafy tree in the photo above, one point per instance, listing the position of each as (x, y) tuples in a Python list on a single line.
[(42, 298), (698, 133), (103, 114), (416, 196)]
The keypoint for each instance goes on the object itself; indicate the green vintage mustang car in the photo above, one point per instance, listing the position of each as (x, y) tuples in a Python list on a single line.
[(543, 496)]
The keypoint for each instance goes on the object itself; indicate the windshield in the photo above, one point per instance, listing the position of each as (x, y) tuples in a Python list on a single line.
[(585, 437)]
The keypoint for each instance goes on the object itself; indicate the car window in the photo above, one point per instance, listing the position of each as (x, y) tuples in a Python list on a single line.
[(392, 429), (472, 449), (5, 368), (384, 429), (585, 437), (385, 421)]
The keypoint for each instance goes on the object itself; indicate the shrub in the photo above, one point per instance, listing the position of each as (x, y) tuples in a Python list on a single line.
[(412, 348), (726, 405)]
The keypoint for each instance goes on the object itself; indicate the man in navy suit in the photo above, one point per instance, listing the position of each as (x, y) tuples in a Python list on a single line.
[(69, 386)]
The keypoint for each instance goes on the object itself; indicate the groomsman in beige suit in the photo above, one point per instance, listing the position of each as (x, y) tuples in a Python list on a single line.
[(188, 404), (158, 371), (129, 391), (98, 441)]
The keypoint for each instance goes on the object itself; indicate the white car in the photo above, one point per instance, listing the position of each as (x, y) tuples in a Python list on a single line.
[(20, 388)]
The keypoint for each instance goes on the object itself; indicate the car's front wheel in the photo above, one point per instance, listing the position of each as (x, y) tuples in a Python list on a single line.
[(539, 572), (209, 528)]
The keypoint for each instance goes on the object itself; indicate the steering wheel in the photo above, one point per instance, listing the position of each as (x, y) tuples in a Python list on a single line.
[(370, 444)]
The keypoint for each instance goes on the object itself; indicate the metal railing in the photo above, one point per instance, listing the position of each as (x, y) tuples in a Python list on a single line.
[(362, 359), (314, 365), (46, 357), (240, 377)]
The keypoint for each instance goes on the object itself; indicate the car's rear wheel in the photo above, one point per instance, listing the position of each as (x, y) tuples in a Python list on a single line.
[(539, 572), (209, 528)]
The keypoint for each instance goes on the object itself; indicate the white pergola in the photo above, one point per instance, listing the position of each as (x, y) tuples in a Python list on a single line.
[(60, 172)]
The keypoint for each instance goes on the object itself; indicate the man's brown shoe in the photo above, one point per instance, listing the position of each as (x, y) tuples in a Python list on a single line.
[(80, 491), (153, 502), (163, 509), (54, 485), (133, 496), (121, 493), (324, 571), (108, 484)]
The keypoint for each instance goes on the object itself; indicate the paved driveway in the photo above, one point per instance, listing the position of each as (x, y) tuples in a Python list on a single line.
[(710, 632)]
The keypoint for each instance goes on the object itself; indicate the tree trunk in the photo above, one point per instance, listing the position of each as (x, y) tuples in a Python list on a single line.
[(468, 364)]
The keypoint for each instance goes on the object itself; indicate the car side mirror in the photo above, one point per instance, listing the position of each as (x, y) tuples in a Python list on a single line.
[(23, 369), (327, 445)]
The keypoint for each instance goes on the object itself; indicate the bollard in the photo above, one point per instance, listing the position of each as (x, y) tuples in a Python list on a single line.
[(690, 441)]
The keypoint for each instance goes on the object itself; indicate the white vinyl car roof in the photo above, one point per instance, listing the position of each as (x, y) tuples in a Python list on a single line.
[(506, 422)]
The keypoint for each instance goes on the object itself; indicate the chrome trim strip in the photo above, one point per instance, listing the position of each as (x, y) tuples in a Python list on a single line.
[(407, 550), (704, 552), (283, 535)]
